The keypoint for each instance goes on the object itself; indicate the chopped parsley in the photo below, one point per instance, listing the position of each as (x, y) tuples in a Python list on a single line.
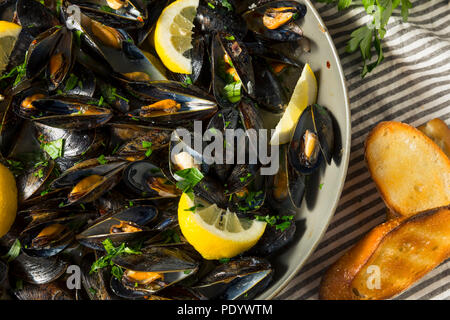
[(224, 260), (280, 223), (190, 176), (233, 91), (112, 252), (13, 252), (102, 159), (147, 145), (211, 5), (54, 148), (227, 4), (71, 83)]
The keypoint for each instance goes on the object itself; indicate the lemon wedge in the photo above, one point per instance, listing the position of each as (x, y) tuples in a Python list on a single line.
[(173, 35), (9, 33), (214, 232), (8, 200), (305, 94)]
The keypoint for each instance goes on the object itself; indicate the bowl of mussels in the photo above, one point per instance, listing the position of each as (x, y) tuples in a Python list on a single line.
[(188, 149)]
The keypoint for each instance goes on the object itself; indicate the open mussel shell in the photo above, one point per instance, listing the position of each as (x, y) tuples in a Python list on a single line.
[(276, 20), (231, 69), (38, 270), (169, 263), (50, 238), (69, 112), (114, 13), (114, 47), (85, 169), (243, 278), (312, 141), (127, 226), (147, 180), (61, 60), (285, 189), (171, 103)]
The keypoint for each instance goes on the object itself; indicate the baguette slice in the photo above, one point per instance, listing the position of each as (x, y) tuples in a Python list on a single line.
[(410, 171), (402, 250)]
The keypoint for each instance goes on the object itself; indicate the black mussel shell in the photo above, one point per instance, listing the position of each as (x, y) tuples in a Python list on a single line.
[(314, 132), (38, 270), (237, 279), (286, 189), (56, 290), (139, 216), (172, 263), (263, 20), (147, 180)]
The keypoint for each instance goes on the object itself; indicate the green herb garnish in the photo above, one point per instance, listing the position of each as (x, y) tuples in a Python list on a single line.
[(54, 148), (13, 252), (147, 145)]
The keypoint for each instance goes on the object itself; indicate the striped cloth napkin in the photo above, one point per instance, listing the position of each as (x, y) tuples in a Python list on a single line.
[(411, 85)]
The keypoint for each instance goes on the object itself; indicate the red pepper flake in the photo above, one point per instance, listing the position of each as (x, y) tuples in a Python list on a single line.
[(328, 64)]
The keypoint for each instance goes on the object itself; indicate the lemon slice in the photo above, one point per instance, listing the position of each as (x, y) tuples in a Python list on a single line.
[(8, 200), (305, 94), (214, 232), (9, 32), (173, 35)]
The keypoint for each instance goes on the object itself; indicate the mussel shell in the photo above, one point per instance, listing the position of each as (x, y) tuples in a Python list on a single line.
[(65, 49), (195, 104), (38, 270), (40, 51), (157, 259), (70, 112), (35, 16), (85, 84), (315, 119), (225, 43), (237, 279), (268, 93), (77, 143), (87, 168), (95, 283), (130, 16), (72, 224), (30, 182), (10, 125), (273, 240), (287, 32), (96, 234), (173, 263), (286, 189), (132, 138), (138, 177), (49, 291), (219, 19)]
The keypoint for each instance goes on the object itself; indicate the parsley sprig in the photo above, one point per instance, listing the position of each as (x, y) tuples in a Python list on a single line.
[(13, 252), (111, 253), (371, 34), (190, 177)]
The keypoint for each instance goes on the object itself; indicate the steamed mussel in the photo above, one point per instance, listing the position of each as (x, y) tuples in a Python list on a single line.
[(106, 141)]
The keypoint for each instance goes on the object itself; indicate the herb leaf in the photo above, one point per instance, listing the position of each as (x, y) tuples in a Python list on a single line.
[(13, 252)]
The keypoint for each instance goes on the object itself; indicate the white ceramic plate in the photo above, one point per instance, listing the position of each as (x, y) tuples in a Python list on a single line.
[(318, 208)]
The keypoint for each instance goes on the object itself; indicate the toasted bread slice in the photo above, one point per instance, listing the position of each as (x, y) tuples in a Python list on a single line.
[(390, 258), (438, 131), (410, 171)]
